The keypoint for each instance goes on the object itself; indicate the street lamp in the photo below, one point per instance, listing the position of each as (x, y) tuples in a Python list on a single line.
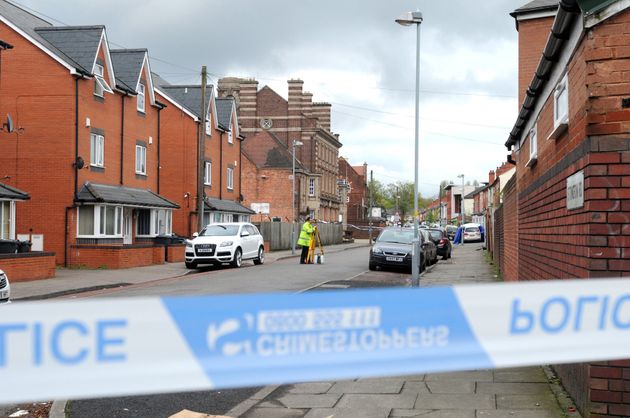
[(296, 143), (408, 19), (461, 208)]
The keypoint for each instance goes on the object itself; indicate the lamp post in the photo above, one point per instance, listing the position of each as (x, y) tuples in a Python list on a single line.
[(296, 143), (461, 208), (407, 19)]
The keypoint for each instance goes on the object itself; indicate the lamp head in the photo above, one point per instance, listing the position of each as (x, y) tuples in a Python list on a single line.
[(409, 18), (297, 143)]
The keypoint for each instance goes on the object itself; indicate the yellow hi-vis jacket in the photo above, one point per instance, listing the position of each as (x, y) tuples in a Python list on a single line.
[(306, 234)]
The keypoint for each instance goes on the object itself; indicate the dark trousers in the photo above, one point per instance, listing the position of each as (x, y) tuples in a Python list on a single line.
[(304, 254)]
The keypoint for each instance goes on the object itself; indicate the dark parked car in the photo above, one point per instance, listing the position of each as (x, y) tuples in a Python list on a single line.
[(451, 230), (443, 244), (393, 249)]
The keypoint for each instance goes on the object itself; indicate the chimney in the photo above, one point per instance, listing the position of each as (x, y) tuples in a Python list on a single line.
[(322, 112), (244, 91), (491, 177), (295, 97), (307, 104)]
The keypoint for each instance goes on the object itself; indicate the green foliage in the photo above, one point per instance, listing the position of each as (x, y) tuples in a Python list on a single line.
[(396, 197)]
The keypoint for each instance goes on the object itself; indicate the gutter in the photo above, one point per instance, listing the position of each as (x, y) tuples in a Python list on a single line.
[(567, 12)]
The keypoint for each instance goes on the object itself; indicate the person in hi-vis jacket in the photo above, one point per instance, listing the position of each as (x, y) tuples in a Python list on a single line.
[(305, 238)]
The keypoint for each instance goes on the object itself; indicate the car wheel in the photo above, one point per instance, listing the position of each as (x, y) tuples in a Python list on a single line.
[(261, 257), (372, 266), (191, 265), (238, 258), (423, 264)]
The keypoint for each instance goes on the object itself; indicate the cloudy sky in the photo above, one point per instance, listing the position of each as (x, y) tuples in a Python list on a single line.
[(351, 54)]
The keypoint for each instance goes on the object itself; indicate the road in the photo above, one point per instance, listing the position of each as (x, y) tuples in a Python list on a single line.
[(281, 276)]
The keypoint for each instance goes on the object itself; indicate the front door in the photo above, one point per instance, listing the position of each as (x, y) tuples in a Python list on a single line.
[(127, 222)]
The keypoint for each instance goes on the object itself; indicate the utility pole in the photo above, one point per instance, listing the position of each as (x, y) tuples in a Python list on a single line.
[(370, 197), (201, 154)]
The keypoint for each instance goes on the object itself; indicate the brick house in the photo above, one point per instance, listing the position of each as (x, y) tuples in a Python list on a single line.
[(569, 204), (180, 124), (454, 195), (355, 177), (295, 118), (267, 182), (86, 145)]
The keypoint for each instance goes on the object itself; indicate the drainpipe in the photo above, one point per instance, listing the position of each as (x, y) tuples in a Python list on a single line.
[(122, 137), (221, 166), (160, 108), (76, 137)]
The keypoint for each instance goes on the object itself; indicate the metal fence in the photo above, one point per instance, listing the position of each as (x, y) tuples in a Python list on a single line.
[(278, 234)]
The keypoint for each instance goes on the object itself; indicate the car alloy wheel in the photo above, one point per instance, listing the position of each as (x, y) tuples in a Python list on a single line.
[(261, 257), (238, 258)]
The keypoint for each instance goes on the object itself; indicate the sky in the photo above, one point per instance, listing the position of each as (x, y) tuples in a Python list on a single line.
[(349, 53)]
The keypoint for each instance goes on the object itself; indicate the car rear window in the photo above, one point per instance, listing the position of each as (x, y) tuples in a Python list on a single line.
[(472, 229), (435, 234)]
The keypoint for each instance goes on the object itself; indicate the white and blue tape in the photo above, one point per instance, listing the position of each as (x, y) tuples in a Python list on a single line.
[(107, 347)]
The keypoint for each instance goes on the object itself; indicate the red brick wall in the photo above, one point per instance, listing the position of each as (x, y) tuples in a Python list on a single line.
[(532, 38), (175, 253), (28, 266), (116, 257), (358, 192), (510, 259)]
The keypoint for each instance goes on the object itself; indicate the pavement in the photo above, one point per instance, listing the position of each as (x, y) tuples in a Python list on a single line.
[(531, 392)]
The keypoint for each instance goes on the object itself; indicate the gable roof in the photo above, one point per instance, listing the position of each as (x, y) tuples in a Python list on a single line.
[(11, 193), (265, 150), (189, 97), (79, 43), (224, 112), (128, 64)]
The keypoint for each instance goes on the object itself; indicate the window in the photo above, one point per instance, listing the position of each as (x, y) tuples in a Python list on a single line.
[(533, 147), (560, 108), (141, 160), (207, 177), (100, 221), (6, 219), (140, 103), (209, 124), (100, 85), (97, 150), (311, 187), (230, 178), (230, 137), (152, 222)]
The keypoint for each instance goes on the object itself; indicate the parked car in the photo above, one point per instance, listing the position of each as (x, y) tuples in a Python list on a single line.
[(471, 232), (393, 248), (225, 243), (451, 230), (441, 241), (5, 289), (428, 246)]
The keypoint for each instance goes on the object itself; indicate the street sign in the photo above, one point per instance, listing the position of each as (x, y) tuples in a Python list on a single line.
[(376, 212), (260, 208), (575, 190)]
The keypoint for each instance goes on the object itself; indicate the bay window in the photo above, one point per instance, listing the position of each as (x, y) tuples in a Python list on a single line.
[(100, 221)]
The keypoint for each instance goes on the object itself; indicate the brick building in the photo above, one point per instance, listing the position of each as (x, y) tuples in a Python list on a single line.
[(295, 118), (454, 195), (355, 177), (571, 193), (267, 181)]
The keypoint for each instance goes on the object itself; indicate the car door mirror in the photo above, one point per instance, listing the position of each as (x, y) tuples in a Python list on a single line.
[(195, 234), (244, 234)]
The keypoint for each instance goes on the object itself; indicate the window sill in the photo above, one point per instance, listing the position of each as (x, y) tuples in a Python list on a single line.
[(559, 130), (97, 168)]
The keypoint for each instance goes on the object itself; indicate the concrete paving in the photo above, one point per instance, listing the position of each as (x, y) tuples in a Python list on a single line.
[(508, 393)]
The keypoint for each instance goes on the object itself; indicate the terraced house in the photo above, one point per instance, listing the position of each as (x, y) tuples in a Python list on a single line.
[(569, 205)]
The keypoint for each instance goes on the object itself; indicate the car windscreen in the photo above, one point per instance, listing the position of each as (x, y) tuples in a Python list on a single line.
[(451, 228), (396, 236), (219, 231), (435, 234), (472, 229)]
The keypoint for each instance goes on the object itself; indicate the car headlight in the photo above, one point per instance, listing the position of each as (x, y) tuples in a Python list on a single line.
[(189, 244), (226, 244), (377, 251)]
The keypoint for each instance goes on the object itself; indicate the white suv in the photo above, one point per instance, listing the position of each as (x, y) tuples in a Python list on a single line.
[(225, 243), (5, 288)]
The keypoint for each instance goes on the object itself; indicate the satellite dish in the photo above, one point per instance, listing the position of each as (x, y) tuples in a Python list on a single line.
[(79, 163), (9, 125)]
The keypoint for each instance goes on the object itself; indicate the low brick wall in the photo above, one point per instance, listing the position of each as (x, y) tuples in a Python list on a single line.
[(175, 253), (34, 265), (116, 256)]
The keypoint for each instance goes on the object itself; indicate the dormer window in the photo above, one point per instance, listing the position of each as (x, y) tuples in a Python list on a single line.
[(230, 137), (140, 103), (560, 108), (100, 85), (209, 124)]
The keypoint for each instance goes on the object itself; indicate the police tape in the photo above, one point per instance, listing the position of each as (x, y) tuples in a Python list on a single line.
[(108, 347)]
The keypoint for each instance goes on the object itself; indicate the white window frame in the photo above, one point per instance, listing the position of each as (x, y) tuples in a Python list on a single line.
[(157, 215), (97, 150), (209, 124), (11, 220), (100, 224), (230, 137), (141, 160), (100, 85), (230, 178), (207, 174), (311, 187), (560, 120), (141, 98), (533, 146)]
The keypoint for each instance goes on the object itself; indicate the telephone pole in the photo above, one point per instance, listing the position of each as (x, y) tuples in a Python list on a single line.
[(201, 154), (370, 198)]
